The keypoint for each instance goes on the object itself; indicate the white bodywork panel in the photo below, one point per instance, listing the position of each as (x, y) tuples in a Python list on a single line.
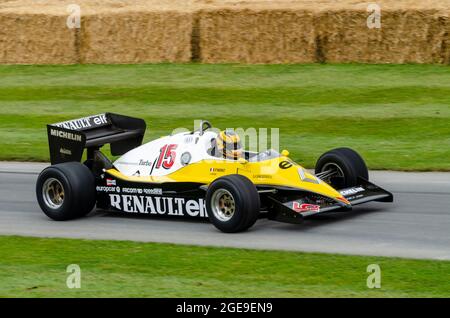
[(165, 155)]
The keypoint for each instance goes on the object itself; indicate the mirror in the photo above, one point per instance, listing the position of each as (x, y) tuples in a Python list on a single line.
[(285, 153)]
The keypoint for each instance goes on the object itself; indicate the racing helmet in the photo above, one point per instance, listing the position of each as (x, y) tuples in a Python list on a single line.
[(228, 144)]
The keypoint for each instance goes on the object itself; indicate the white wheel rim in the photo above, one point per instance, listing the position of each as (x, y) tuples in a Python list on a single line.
[(223, 205), (53, 193)]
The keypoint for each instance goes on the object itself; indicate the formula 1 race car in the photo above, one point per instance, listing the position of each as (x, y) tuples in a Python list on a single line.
[(196, 174)]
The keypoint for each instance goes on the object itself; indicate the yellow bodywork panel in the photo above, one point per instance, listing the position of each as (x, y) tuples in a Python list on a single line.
[(279, 171)]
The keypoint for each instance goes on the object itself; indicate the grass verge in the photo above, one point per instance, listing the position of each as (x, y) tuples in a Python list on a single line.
[(36, 267), (396, 116)]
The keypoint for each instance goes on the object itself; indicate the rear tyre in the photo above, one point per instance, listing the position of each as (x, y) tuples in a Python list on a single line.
[(341, 168), (66, 191), (232, 203)]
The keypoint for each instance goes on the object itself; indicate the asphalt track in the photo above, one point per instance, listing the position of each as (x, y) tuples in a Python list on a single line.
[(416, 225)]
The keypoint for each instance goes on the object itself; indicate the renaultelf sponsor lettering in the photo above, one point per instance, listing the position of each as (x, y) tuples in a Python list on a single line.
[(83, 123), (158, 205), (65, 135)]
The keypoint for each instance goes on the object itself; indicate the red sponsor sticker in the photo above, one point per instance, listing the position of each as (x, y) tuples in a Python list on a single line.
[(305, 207)]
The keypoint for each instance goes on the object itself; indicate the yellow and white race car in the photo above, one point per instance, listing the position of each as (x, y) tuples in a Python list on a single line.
[(197, 174)]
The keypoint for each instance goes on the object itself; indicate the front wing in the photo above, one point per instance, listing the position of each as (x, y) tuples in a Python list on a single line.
[(292, 208)]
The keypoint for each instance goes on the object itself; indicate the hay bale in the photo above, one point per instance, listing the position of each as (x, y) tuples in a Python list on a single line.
[(405, 36), (263, 36), (35, 39), (244, 31), (112, 31), (298, 35), (136, 37)]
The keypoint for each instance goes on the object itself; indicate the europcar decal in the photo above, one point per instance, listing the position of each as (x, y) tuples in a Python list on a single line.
[(305, 207)]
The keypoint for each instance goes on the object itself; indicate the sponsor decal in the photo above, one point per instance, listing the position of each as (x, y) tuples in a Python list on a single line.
[(305, 207), (84, 123), (111, 187), (216, 170), (351, 191), (158, 205), (354, 197), (262, 176), (110, 182), (285, 164), (157, 191), (145, 163), (65, 151), (65, 135), (106, 189)]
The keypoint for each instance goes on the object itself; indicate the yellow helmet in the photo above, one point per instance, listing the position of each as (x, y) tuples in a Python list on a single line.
[(229, 144)]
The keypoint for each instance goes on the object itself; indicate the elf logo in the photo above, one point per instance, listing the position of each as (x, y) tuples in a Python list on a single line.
[(110, 182)]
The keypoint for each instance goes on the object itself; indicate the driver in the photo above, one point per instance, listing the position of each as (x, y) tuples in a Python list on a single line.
[(227, 145)]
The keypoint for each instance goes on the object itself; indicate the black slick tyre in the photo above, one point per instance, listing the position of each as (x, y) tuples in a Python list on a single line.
[(232, 203), (66, 191)]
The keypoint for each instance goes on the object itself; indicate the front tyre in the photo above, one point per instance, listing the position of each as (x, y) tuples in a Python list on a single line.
[(341, 168), (232, 203), (66, 191)]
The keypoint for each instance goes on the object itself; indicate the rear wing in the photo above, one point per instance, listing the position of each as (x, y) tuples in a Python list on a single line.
[(67, 140)]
